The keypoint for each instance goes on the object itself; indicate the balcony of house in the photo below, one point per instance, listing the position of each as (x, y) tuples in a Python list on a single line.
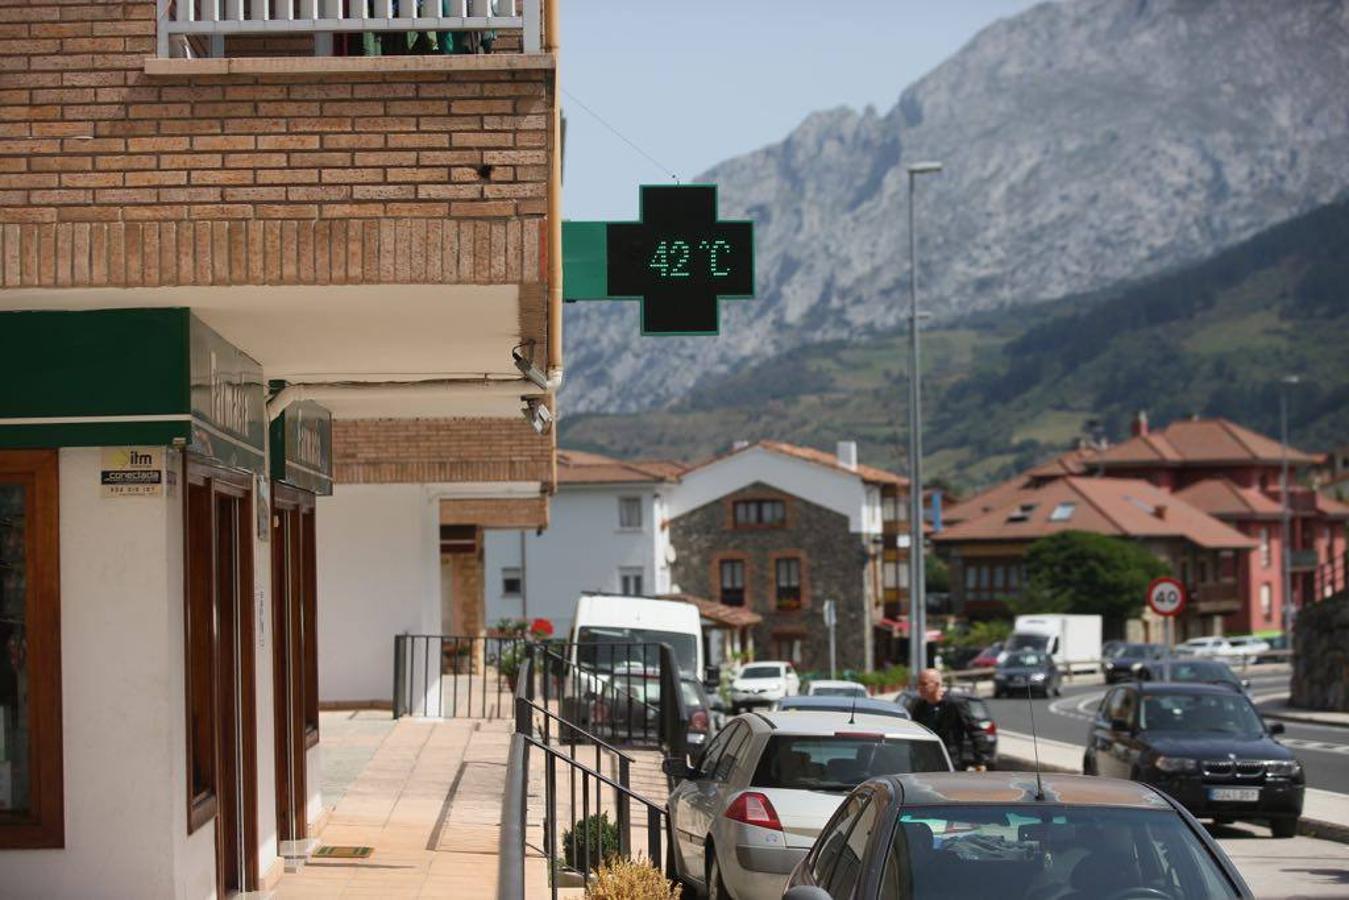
[(225, 29)]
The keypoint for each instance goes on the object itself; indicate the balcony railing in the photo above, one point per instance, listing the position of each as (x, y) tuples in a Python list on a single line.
[(199, 27)]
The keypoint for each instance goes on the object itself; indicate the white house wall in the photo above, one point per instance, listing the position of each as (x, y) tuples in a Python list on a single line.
[(124, 733), (832, 489), (581, 550), (378, 549)]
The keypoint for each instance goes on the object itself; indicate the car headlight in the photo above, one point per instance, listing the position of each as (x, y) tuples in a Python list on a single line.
[(1176, 764), (1283, 768)]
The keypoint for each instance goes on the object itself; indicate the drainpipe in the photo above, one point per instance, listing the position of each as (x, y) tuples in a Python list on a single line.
[(551, 45)]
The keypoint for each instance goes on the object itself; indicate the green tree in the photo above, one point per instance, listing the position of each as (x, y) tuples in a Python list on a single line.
[(936, 574), (1080, 572)]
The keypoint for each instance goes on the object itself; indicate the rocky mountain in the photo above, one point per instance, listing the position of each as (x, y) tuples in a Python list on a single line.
[(1084, 142)]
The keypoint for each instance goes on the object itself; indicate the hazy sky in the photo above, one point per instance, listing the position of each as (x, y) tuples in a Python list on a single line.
[(693, 82)]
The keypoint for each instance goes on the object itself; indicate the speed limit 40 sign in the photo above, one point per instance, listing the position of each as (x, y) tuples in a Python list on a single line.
[(1166, 596)]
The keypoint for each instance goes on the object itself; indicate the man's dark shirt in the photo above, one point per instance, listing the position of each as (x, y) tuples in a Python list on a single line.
[(945, 720)]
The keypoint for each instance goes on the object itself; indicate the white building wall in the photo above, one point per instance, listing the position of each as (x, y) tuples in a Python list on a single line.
[(378, 548), (842, 492), (122, 703), (582, 549)]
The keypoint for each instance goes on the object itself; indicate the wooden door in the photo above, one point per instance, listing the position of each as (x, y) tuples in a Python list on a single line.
[(293, 583)]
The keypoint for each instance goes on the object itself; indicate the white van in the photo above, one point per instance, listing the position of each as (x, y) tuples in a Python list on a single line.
[(612, 620)]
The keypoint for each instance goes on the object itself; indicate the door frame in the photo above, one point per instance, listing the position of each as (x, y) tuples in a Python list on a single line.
[(237, 486), (293, 587)]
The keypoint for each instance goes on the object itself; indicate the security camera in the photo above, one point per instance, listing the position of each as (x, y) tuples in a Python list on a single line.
[(537, 414), (527, 368)]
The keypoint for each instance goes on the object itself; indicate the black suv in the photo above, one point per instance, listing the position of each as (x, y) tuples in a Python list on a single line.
[(1204, 745)]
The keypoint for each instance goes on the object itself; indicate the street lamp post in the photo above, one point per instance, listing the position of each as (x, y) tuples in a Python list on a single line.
[(917, 601), (1285, 513)]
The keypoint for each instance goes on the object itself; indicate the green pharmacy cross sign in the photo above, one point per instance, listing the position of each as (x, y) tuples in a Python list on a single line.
[(679, 260)]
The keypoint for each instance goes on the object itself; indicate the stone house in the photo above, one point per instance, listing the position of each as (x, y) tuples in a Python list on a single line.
[(779, 529)]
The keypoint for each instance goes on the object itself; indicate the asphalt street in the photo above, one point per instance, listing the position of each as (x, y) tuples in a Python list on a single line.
[(1323, 750)]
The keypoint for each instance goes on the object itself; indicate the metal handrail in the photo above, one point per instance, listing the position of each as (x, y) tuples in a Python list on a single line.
[(511, 841), (576, 728)]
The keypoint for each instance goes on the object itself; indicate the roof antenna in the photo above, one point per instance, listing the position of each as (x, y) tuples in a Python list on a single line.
[(1035, 743), (852, 716)]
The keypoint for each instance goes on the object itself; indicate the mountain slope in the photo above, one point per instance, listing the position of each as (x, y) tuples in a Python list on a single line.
[(1005, 388), (1085, 142)]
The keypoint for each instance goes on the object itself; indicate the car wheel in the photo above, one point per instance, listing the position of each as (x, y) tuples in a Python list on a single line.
[(1283, 828), (1088, 765), (997, 693), (716, 888), (1058, 690)]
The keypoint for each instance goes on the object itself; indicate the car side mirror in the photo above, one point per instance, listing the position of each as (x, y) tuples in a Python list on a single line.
[(678, 768), (1246, 683), (1276, 728), (806, 892)]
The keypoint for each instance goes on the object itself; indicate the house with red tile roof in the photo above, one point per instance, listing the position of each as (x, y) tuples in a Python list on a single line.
[(987, 551), (1226, 472)]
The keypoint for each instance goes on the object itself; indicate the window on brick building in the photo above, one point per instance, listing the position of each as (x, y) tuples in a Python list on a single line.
[(760, 512), (732, 573), (971, 577), (510, 582), (1264, 548), (788, 582), (630, 512), (1266, 602)]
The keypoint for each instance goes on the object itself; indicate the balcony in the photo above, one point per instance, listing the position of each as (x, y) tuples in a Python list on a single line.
[(200, 28), (1217, 599)]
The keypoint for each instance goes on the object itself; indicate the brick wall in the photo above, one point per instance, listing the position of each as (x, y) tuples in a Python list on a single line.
[(434, 450), (112, 176)]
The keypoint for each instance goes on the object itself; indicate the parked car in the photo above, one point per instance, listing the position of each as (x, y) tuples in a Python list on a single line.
[(1250, 646), (1111, 648), (1121, 665), (766, 785), (1023, 671), (981, 730), (1185, 671), (865, 705), (958, 837), (1206, 746), (1207, 646), (699, 708), (826, 688), (987, 657), (1277, 645), (763, 683)]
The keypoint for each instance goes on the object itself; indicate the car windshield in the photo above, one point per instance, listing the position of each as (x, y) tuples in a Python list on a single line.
[(958, 852), (1027, 642), (843, 690), (755, 672), (1140, 651), (693, 698), (609, 649), (1221, 712), (1199, 671), (840, 762), (1025, 658)]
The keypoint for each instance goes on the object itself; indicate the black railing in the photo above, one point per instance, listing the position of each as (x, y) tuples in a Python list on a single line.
[(576, 788), (455, 677)]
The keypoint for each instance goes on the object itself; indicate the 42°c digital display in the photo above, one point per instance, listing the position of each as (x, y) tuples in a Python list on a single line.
[(679, 258)]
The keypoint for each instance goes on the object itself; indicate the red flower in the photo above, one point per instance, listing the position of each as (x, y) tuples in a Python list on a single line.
[(541, 628)]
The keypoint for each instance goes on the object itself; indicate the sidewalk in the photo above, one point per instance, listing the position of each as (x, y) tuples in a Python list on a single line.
[(427, 799), (1278, 708), (1325, 814)]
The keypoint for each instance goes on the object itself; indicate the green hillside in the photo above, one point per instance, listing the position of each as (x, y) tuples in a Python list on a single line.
[(1006, 389)]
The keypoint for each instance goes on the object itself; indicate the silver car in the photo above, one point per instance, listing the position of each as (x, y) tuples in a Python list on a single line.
[(767, 784)]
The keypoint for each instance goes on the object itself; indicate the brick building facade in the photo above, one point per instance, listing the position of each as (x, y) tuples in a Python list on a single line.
[(300, 288)]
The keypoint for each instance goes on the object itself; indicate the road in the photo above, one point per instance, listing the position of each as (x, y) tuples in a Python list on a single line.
[(1323, 750), (1275, 870)]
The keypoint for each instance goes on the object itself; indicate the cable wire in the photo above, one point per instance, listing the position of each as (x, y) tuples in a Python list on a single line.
[(622, 137)]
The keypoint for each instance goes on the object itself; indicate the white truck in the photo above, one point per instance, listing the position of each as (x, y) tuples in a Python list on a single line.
[(1074, 642)]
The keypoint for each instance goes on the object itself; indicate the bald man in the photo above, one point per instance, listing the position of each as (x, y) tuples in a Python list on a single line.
[(944, 718)]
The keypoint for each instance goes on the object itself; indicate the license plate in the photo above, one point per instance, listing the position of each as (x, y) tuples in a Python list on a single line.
[(1235, 795)]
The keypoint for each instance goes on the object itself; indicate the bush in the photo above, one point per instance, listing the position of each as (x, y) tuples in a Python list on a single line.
[(626, 879), (591, 842)]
